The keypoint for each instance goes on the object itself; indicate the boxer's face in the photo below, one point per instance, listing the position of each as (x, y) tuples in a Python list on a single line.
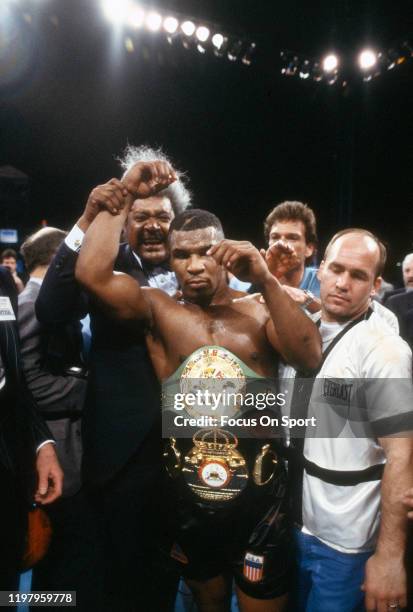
[(348, 277), (198, 274), (147, 228)]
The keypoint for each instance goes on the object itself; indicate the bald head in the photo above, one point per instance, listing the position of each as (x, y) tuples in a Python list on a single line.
[(38, 249), (349, 274), (363, 239), (407, 267)]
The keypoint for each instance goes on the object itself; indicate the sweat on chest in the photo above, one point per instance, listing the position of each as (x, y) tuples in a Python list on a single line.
[(237, 333)]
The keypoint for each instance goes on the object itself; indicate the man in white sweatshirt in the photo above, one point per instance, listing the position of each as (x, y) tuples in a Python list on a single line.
[(350, 472)]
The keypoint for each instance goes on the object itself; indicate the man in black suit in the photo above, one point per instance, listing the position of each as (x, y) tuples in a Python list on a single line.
[(121, 425), (402, 306), (26, 444), (401, 302), (53, 368)]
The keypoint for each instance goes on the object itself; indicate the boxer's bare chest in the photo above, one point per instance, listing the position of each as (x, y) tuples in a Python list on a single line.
[(238, 328)]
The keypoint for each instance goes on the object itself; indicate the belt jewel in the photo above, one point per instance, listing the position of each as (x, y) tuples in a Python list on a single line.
[(214, 469)]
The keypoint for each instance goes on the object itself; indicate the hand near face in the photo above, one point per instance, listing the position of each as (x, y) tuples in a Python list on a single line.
[(280, 258), (242, 259), (145, 179)]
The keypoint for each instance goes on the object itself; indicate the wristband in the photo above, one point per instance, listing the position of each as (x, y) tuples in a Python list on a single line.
[(309, 298)]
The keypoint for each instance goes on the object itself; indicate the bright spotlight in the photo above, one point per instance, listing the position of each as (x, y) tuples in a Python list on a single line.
[(188, 28), (170, 25), (153, 21), (330, 63), (217, 40), (116, 10), (136, 17), (202, 33), (367, 59)]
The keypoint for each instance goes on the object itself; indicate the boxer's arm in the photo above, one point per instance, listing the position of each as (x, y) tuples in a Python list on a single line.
[(289, 330), (120, 294)]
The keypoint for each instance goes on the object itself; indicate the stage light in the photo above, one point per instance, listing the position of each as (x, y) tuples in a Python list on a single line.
[(116, 10), (317, 73), (305, 69), (331, 78), (394, 57), (367, 59), (330, 63), (153, 21), (170, 25), (136, 17), (217, 40), (188, 28), (290, 63), (202, 33), (248, 55), (201, 49), (234, 51)]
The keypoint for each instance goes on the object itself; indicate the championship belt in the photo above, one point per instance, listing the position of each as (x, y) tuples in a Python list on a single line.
[(214, 369), (214, 469)]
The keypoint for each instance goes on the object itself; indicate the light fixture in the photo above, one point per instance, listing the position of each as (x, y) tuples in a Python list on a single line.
[(202, 33), (367, 59), (330, 63), (136, 17), (317, 72), (249, 54), (116, 10), (305, 69), (188, 28), (217, 40), (290, 63), (234, 50), (153, 21), (170, 25)]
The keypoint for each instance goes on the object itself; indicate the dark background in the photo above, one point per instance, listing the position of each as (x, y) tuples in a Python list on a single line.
[(71, 97)]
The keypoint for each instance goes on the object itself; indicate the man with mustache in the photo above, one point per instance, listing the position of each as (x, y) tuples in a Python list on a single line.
[(121, 422), (212, 328)]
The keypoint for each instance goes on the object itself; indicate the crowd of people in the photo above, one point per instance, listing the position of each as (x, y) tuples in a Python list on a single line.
[(145, 291)]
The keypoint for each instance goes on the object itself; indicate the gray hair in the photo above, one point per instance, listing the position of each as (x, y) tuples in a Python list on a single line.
[(406, 260), (177, 192)]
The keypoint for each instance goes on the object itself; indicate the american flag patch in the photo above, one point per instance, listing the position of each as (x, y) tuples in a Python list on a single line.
[(253, 567)]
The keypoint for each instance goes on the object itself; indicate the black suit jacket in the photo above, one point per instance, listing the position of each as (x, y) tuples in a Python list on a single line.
[(21, 428), (389, 294), (59, 396), (402, 306), (122, 411)]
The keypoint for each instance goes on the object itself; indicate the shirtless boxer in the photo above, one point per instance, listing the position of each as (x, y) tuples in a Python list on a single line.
[(210, 315)]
